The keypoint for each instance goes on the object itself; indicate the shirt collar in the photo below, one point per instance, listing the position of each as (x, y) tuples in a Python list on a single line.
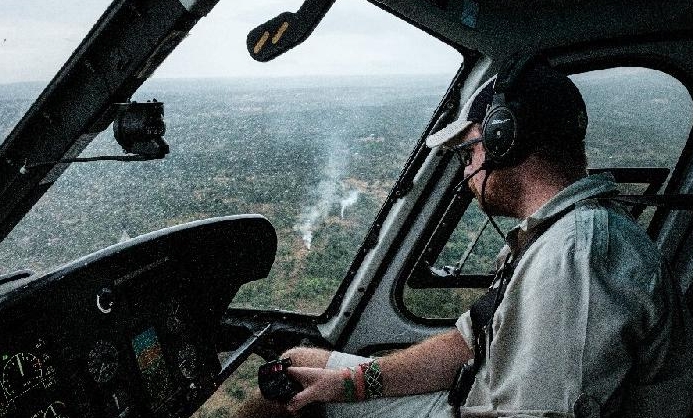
[(585, 188)]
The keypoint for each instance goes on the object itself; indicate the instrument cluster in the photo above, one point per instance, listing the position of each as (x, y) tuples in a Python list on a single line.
[(129, 331), (148, 365)]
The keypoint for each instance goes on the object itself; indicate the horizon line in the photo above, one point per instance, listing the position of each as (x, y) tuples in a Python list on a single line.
[(260, 77)]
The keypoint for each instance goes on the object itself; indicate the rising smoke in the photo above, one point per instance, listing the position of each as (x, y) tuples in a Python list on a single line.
[(326, 194), (350, 200)]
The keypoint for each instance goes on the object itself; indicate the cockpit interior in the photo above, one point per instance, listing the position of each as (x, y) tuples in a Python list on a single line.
[(140, 278)]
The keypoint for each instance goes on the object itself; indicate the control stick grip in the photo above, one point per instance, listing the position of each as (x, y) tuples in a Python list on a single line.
[(275, 382)]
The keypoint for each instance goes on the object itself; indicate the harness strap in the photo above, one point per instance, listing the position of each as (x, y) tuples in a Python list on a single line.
[(482, 311)]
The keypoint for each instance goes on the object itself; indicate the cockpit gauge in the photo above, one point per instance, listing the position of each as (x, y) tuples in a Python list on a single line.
[(56, 409), (103, 361), (174, 320), (188, 362), (20, 373), (120, 404)]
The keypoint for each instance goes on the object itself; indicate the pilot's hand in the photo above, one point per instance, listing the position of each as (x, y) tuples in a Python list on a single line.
[(320, 385)]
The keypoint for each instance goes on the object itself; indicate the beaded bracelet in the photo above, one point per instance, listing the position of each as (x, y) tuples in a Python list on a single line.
[(373, 379)]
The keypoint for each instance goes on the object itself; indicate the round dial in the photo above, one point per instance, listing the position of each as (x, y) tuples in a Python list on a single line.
[(103, 361), (119, 404), (20, 373), (175, 320), (188, 362), (56, 410)]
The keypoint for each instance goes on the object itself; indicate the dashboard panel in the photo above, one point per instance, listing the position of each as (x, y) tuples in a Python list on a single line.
[(129, 331)]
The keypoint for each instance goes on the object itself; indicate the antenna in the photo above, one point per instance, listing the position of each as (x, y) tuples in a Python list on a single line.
[(286, 31)]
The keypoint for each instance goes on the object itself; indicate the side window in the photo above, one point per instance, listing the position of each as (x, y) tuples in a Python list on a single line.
[(471, 250), (638, 118)]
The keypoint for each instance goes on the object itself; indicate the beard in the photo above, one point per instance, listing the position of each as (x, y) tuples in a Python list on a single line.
[(496, 192)]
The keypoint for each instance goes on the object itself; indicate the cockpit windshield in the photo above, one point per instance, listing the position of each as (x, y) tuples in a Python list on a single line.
[(313, 140)]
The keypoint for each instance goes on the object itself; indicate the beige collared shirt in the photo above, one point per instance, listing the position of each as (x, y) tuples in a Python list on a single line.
[(590, 313)]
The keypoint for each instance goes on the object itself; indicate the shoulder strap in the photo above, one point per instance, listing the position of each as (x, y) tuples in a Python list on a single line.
[(482, 311), (508, 269)]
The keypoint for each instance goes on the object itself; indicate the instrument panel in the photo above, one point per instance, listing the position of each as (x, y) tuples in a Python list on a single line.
[(128, 331)]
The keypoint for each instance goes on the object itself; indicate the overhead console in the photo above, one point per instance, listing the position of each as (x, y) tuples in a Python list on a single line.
[(128, 331)]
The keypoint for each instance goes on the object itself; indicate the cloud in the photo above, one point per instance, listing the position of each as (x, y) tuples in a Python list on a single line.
[(37, 37), (355, 37)]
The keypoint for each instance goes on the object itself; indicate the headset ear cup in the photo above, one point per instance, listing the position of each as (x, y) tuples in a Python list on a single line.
[(499, 130)]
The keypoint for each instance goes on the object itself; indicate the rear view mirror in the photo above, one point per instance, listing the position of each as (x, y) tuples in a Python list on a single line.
[(286, 31)]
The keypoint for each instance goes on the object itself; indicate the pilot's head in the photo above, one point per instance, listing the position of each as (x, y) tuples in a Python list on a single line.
[(534, 131)]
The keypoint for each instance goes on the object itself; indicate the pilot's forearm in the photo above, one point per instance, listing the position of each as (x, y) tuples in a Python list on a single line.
[(425, 367)]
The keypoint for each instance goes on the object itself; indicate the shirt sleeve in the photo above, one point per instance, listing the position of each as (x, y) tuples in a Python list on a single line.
[(638, 354), (464, 326), (587, 306)]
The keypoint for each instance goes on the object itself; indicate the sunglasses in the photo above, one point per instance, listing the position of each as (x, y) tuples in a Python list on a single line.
[(464, 150)]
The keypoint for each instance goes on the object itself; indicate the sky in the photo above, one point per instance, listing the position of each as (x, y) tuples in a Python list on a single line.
[(37, 37)]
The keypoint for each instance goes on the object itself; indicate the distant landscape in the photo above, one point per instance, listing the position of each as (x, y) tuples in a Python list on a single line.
[(316, 157)]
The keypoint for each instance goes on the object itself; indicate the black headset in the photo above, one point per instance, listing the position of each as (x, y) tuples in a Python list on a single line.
[(502, 126)]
